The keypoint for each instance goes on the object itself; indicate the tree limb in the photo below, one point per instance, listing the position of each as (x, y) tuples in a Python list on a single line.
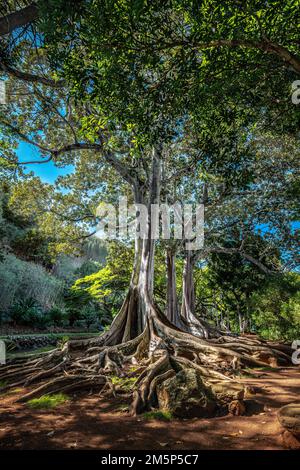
[(30, 77)]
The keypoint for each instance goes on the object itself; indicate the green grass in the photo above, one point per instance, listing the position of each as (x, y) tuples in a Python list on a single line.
[(161, 415), (3, 384), (125, 383), (268, 368), (15, 390), (59, 335), (48, 401)]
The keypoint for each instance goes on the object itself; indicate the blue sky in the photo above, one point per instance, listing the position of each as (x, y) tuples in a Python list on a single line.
[(48, 172)]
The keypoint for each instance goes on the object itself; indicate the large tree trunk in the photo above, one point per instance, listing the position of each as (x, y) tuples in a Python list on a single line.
[(172, 312), (135, 311), (146, 278), (192, 324), (188, 288)]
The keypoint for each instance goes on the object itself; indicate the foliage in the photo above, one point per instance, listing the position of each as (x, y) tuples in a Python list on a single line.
[(199, 54), (235, 279), (106, 288), (22, 281), (27, 313), (276, 309), (269, 306), (57, 316), (90, 316), (62, 341), (160, 415), (3, 384), (125, 383)]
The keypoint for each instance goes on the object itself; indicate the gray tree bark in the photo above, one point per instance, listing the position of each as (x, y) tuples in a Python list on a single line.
[(172, 311), (136, 309)]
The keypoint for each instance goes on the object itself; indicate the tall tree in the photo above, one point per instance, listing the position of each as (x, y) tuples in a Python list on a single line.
[(133, 93)]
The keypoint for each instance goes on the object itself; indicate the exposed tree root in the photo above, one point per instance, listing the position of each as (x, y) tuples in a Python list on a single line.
[(146, 361)]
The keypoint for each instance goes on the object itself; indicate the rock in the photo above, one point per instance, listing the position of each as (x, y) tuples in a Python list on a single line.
[(289, 418), (186, 396), (237, 408), (227, 391)]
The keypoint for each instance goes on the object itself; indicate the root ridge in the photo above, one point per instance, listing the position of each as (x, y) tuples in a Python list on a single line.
[(145, 362)]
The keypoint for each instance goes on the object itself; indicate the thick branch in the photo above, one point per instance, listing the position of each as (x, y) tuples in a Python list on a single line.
[(241, 252), (110, 158), (265, 45), (30, 77), (33, 162), (18, 18)]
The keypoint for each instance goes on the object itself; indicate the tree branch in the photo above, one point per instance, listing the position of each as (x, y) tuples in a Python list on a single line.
[(242, 253), (123, 170), (9, 23), (33, 162), (30, 77), (266, 45)]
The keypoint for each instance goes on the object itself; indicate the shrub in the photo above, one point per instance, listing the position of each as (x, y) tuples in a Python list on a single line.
[(89, 316), (57, 316), (26, 312), (62, 341), (25, 281), (160, 414)]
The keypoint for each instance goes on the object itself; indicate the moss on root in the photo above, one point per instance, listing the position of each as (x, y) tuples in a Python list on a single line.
[(124, 383), (159, 414)]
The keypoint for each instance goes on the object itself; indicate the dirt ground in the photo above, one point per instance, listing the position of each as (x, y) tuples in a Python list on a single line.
[(90, 422)]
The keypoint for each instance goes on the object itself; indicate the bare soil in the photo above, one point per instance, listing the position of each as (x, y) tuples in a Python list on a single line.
[(92, 422)]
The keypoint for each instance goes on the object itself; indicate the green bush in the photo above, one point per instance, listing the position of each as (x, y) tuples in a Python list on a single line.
[(162, 415), (89, 316), (57, 316), (28, 313), (23, 281)]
